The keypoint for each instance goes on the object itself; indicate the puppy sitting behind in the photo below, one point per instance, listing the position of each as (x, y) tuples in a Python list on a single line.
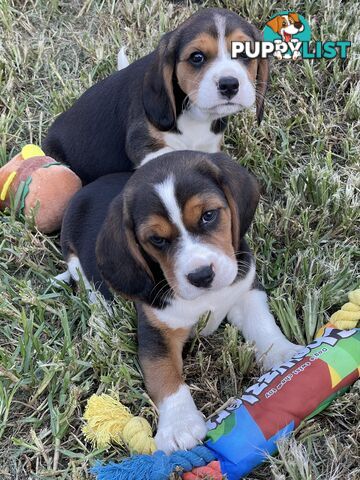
[(172, 239), (175, 98)]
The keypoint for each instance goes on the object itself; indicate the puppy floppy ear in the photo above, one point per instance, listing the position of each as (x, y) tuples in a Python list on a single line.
[(242, 194), (119, 257), (158, 91), (262, 80)]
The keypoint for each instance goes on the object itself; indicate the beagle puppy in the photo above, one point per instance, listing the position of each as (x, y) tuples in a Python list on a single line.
[(175, 98), (173, 240)]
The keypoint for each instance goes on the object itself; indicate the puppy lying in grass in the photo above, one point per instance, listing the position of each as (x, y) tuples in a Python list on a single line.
[(171, 238)]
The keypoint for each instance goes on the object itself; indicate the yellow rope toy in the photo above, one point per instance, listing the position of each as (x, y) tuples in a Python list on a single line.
[(109, 421), (349, 314), (347, 317)]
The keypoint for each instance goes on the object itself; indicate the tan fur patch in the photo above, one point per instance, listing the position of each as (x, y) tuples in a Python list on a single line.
[(159, 226), (189, 80), (156, 225), (235, 224), (167, 264), (156, 136), (167, 75), (239, 36), (197, 205), (163, 376), (222, 236), (133, 246), (204, 43), (188, 77)]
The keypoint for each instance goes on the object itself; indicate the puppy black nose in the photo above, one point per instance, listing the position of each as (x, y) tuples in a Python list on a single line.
[(202, 277), (228, 86), (298, 24)]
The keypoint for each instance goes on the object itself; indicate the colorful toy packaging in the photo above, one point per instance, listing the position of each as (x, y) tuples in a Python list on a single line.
[(245, 432)]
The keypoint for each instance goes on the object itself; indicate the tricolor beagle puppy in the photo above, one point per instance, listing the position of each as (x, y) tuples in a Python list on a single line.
[(173, 240), (175, 98)]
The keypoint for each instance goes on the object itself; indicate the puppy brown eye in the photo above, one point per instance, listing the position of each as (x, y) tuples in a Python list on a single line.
[(209, 217), (158, 242), (197, 58)]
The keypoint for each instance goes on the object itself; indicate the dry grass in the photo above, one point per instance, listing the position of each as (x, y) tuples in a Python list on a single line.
[(54, 354)]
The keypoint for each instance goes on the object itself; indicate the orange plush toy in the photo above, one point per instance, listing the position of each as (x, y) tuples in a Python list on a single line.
[(37, 185)]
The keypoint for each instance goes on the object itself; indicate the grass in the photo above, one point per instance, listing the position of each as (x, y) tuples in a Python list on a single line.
[(56, 350)]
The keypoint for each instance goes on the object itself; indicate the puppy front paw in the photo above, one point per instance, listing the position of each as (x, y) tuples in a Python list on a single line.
[(181, 425), (278, 353), (181, 433)]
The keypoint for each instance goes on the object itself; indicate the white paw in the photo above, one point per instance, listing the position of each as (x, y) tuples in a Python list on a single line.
[(296, 55), (211, 325), (181, 433), (181, 425), (62, 277), (279, 352)]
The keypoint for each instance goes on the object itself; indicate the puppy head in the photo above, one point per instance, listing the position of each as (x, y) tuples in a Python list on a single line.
[(178, 224), (193, 68)]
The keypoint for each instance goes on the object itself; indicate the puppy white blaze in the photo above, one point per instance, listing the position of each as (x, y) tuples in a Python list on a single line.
[(209, 97), (166, 191), (192, 253)]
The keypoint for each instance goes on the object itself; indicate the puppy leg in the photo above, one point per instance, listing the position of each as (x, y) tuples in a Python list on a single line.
[(181, 425), (212, 325), (252, 316), (75, 270), (122, 60)]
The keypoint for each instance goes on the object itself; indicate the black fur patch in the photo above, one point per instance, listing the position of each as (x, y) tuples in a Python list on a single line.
[(219, 125)]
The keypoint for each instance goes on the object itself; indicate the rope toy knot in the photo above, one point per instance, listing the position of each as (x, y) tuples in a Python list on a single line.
[(137, 434), (349, 314), (109, 421)]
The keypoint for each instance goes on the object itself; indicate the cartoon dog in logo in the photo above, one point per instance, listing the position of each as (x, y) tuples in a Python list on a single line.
[(286, 26)]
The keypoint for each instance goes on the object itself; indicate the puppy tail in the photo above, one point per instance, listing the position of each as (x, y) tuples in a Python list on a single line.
[(122, 60)]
